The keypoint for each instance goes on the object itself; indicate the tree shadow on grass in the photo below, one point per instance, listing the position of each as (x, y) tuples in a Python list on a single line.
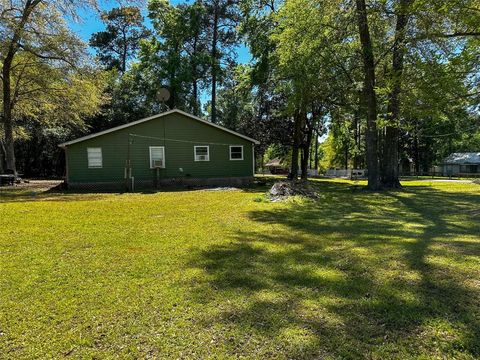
[(371, 275)]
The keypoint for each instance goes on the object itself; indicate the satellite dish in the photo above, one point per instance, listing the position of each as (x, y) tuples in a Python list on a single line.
[(163, 95)]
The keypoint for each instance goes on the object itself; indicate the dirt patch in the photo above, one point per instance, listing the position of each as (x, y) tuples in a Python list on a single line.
[(38, 186), (221, 189), (282, 190)]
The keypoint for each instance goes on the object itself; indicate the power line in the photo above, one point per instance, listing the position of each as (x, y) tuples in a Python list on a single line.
[(176, 140), (449, 134)]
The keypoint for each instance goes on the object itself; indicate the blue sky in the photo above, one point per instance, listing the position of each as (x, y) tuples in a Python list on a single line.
[(91, 23)]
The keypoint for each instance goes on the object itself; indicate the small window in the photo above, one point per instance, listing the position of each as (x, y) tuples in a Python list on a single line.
[(94, 156), (157, 157), (236, 152), (202, 153)]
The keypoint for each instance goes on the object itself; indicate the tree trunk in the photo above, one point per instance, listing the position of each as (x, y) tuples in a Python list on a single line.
[(195, 108), (195, 97), (310, 157), (356, 137), (416, 153), (370, 96), (7, 114), (316, 150), (214, 64), (306, 151), (123, 64), (2, 157), (297, 142), (6, 82), (390, 176)]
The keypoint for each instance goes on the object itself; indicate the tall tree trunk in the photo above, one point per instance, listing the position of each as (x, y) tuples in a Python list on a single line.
[(195, 97), (306, 150), (172, 101), (297, 143), (370, 96), (7, 113), (2, 157), (389, 176), (346, 156), (6, 83), (195, 76), (416, 152), (123, 60), (214, 64), (356, 122), (316, 150), (310, 157)]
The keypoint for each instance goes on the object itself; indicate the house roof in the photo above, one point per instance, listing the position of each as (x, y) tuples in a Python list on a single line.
[(274, 162), (63, 145), (463, 158)]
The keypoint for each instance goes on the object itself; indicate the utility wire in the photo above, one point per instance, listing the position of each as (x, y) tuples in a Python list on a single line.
[(449, 134), (176, 140)]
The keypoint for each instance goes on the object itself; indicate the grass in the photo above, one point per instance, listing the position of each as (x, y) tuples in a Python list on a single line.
[(226, 274)]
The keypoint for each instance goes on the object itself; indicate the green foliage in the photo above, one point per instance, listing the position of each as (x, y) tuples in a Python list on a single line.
[(328, 158), (120, 41), (46, 74), (305, 70), (278, 151), (55, 95), (235, 103)]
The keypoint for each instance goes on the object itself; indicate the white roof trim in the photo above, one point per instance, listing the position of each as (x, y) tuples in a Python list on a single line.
[(83, 138)]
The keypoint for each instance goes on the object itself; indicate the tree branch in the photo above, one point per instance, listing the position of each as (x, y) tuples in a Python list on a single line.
[(47, 57)]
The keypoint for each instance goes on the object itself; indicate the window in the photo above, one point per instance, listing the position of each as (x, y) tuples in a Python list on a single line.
[(157, 157), (94, 156), (472, 169), (202, 153), (236, 152)]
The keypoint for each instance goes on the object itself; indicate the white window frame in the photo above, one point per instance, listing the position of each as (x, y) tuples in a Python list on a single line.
[(88, 158), (150, 148), (230, 152), (195, 152)]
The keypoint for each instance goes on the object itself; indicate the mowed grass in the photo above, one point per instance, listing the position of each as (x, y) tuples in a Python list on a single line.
[(226, 274)]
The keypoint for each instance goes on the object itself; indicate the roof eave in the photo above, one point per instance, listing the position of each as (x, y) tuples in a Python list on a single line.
[(87, 137)]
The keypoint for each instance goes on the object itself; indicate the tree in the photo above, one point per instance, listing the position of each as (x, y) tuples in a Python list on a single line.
[(177, 55), (390, 176), (431, 25), (309, 69), (131, 97), (197, 49), (310, 61), (222, 20), (34, 27), (370, 96), (121, 40)]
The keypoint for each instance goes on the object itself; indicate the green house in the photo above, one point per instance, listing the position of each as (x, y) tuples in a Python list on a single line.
[(169, 148)]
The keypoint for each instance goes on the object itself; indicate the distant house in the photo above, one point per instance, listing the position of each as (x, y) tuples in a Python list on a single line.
[(275, 166), (169, 148), (462, 164)]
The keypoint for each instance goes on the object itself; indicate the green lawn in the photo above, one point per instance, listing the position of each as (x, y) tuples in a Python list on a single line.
[(226, 274)]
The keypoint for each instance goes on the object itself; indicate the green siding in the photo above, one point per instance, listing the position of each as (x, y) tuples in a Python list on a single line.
[(178, 154)]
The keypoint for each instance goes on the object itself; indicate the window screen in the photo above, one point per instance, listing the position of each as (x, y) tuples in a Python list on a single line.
[(94, 157)]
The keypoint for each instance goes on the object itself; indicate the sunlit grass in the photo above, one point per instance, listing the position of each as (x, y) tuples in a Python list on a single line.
[(201, 274)]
